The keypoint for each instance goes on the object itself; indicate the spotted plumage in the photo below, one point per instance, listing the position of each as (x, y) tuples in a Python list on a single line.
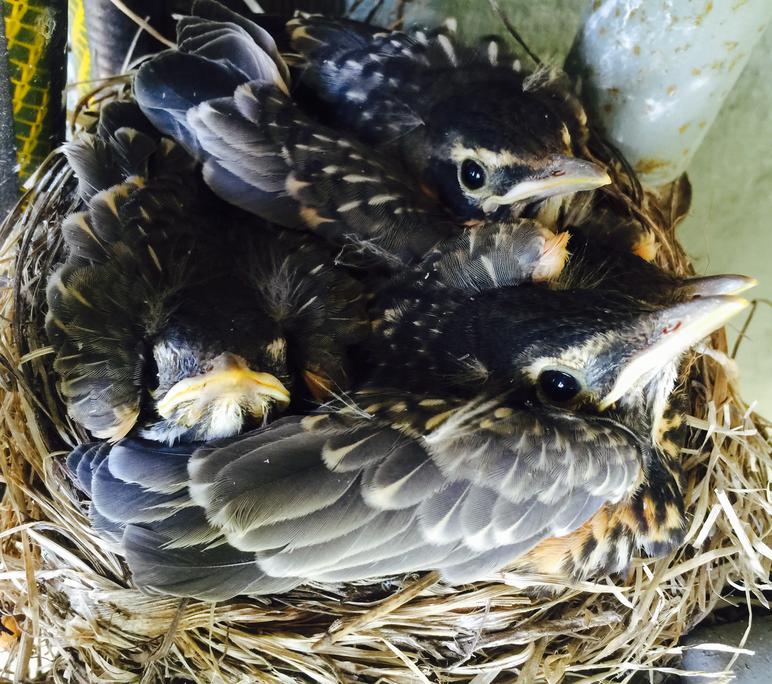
[(264, 152), (651, 519), (425, 466), (486, 137), (177, 314), (487, 426)]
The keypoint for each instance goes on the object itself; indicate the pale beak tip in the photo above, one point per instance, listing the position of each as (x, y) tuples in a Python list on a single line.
[(728, 284), (740, 303), (680, 328), (715, 310), (750, 282), (273, 387), (734, 302)]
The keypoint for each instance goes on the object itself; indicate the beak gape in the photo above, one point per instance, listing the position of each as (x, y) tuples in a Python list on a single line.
[(230, 380)]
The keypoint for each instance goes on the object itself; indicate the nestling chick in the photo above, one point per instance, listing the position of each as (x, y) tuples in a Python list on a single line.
[(496, 422), (483, 135), (176, 315), (262, 152)]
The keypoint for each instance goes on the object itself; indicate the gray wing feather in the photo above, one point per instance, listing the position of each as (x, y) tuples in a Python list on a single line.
[(347, 514), (187, 527), (402, 554), (210, 574), (126, 502), (486, 563), (82, 461), (476, 522), (234, 142), (404, 478), (572, 517), (294, 495), (279, 481), (215, 12), (203, 469), (352, 451), (382, 534), (440, 514), (336, 185), (513, 523), (299, 500), (163, 470)]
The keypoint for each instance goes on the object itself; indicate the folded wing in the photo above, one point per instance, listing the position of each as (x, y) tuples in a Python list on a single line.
[(347, 496)]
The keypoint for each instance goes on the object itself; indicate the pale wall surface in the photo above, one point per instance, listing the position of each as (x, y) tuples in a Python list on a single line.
[(730, 227)]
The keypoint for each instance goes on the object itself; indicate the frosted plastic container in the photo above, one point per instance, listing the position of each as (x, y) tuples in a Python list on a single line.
[(656, 72)]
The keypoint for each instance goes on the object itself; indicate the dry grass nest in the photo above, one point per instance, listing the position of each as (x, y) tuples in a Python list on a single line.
[(72, 614)]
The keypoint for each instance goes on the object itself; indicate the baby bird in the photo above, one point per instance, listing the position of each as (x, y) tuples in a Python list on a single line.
[(176, 316), (489, 425), (224, 94), (478, 131)]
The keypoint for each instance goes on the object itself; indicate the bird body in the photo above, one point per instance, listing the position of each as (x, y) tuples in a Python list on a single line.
[(465, 459), (177, 314)]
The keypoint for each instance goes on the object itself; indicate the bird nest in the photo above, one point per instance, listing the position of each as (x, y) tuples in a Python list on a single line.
[(71, 613)]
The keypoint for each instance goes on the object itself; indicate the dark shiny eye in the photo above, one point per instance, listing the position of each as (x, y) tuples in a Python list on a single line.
[(472, 174), (559, 386)]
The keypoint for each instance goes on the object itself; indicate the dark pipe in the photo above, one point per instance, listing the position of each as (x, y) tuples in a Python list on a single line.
[(9, 182)]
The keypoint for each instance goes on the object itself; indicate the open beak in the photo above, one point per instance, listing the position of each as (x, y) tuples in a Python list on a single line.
[(562, 176), (674, 330), (230, 379)]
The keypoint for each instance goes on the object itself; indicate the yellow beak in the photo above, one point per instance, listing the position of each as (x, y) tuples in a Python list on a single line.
[(230, 379)]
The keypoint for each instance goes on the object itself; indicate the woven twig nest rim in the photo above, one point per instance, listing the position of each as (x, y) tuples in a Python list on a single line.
[(80, 619)]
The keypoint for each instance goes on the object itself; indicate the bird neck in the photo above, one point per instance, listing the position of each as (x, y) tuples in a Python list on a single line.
[(432, 342)]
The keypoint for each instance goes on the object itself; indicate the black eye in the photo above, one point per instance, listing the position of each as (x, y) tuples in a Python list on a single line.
[(472, 174), (559, 386)]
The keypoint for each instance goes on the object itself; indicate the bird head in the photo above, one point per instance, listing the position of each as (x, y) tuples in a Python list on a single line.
[(600, 353), (592, 352), (215, 372), (498, 152), (219, 400)]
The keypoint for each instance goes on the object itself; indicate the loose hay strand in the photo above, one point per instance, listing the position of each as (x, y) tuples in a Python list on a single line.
[(82, 621)]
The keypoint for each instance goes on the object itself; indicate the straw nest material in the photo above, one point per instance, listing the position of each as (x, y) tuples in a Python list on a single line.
[(80, 620)]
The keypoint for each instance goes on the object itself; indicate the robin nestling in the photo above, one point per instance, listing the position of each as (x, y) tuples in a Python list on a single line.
[(490, 425), (225, 94), (480, 132), (177, 316)]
